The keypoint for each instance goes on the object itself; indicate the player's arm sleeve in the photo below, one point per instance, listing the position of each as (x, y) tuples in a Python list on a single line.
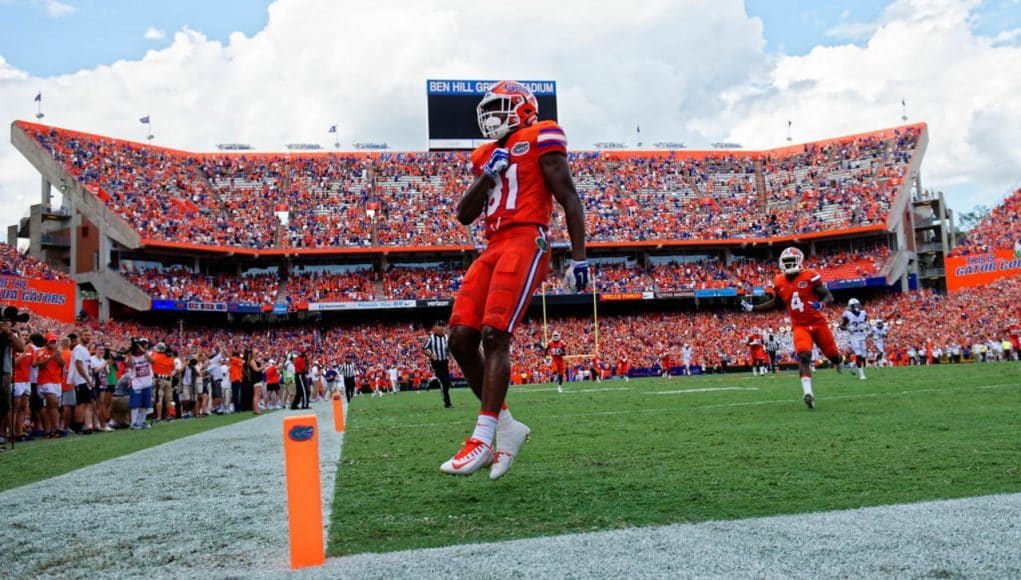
[(476, 161), (823, 291), (551, 139)]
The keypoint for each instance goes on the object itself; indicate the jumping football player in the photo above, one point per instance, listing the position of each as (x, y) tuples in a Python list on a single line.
[(517, 176), (805, 294)]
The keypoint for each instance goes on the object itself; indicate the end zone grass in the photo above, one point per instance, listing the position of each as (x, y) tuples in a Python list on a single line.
[(657, 451), (42, 459)]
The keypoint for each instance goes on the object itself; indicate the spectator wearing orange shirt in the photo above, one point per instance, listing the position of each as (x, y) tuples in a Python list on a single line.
[(163, 371), (236, 373)]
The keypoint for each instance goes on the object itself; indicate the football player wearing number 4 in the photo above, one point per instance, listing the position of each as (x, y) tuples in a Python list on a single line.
[(804, 294), (517, 176)]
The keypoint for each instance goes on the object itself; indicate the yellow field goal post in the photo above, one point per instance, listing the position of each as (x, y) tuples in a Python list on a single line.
[(595, 320)]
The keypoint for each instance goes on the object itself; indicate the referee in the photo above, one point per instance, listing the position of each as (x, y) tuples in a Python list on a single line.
[(348, 371), (436, 347), (772, 347)]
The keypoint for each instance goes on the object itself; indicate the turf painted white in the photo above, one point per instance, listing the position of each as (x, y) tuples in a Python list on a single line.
[(213, 506), (205, 506)]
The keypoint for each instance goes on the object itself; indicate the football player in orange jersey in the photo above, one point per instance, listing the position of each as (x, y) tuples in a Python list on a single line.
[(805, 294), (517, 176), (556, 350)]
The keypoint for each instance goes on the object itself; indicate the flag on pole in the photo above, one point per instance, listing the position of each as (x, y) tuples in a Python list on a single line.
[(144, 120), (788, 124), (638, 129), (39, 97), (333, 129), (903, 102)]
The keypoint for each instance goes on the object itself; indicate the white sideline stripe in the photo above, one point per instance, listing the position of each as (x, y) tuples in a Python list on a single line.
[(570, 391), (705, 390), (715, 406)]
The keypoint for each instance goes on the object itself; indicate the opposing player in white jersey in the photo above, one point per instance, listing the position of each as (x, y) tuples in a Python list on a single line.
[(856, 322), (686, 359), (879, 342)]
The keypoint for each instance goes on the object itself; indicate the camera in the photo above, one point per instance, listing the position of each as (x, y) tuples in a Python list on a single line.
[(11, 314)]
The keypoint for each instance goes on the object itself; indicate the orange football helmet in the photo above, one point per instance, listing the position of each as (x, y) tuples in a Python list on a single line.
[(506, 106)]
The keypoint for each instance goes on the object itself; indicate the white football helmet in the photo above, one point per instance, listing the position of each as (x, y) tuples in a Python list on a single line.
[(792, 261), (853, 305), (556, 335), (506, 106)]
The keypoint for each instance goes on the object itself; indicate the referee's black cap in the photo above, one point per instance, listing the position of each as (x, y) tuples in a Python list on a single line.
[(440, 323)]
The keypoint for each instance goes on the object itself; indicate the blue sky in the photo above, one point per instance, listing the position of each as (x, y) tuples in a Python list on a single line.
[(835, 67), (797, 26), (52, 37)]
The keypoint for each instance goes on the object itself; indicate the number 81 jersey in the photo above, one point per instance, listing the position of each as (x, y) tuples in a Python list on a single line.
[(797, 292), (521, 195)]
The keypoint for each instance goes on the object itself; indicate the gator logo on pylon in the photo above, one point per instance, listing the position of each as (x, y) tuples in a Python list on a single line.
[(301, 432)]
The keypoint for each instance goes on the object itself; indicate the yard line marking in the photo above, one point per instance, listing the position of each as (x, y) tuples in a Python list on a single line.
[(568, 390), (705, 390), (697, 407)]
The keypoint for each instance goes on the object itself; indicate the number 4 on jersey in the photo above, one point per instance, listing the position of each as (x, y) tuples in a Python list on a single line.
[(796, 303), (510, 176)]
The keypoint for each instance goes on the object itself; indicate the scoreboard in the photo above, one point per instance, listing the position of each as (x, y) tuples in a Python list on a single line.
[(453, 121)]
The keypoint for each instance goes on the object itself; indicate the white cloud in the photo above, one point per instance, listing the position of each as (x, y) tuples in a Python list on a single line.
[(153, 33), (964, 86), (55, 8), (850, 30), (1008, 36), (694, 71), (9, 73)]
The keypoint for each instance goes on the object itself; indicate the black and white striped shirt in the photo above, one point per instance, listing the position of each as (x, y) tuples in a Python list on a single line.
[(436, 346), (347, 370)]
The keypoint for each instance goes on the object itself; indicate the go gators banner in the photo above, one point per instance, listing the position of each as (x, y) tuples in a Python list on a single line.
[(50, 298), (981, 269)]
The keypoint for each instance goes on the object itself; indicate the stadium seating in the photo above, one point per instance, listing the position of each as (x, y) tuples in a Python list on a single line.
[(422, 283), (180, 283), (231, 200), (915, 319), (1000, 230), (311, 286), (14, 263)]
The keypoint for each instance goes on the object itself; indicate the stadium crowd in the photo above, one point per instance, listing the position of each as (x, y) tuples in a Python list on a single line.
[(1000, 230), (182, 283), (981, 324), (15, 263), (427, 283), (407, 199), (324, 286)]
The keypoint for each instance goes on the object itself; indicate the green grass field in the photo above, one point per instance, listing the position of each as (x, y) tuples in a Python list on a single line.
[(41, 459), (658, 451)]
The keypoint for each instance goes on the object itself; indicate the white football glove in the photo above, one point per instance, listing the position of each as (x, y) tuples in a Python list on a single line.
[(748, 306), (498, 161), (576, 275)]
